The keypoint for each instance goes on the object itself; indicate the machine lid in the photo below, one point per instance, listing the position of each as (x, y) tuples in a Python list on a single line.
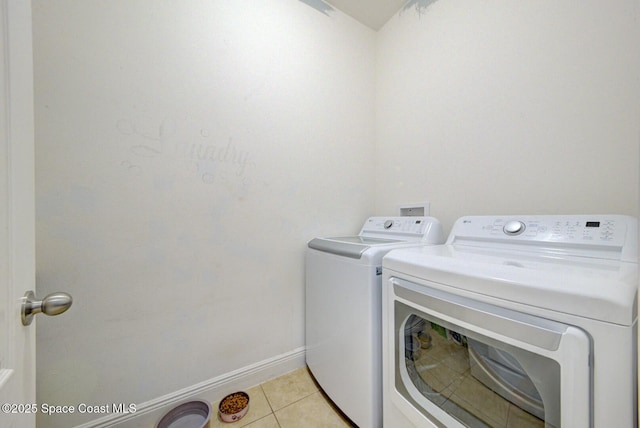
[(599, 289), (380, 231), (348, 246)]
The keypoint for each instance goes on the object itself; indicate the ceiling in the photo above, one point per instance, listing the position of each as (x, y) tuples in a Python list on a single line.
[(372, 13)]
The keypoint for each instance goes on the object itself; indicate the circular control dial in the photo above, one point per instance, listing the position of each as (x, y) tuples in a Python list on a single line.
[(388, 224), (514, 227)]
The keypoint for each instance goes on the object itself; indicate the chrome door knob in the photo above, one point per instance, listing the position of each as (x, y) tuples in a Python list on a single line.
[(52, 304)]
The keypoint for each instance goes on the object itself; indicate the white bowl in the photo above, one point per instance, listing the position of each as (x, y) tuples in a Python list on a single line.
[(193, 414)]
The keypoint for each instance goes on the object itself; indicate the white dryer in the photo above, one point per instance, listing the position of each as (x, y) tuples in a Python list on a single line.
[(343, 310), (515, 321)]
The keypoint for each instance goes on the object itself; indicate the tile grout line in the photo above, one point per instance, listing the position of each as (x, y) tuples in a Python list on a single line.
[(277, 420), (273, 412), (317, 390), (294, 402), (291, 404), (267, 397)]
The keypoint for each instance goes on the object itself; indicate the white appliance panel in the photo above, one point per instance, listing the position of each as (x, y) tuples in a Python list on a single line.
[(343, 310), (579, 272)]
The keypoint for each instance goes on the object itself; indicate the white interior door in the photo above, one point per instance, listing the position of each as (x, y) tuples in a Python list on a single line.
[(17, 215)]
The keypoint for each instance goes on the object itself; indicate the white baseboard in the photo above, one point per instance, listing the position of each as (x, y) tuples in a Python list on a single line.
[(149, 413)]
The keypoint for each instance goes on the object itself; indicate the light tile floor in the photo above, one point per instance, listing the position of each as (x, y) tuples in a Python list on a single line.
[(289, 401)]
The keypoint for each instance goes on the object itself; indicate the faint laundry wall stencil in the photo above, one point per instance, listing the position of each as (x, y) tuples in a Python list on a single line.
[(319, 5), (153, 135), (228, 153), (168, 149)]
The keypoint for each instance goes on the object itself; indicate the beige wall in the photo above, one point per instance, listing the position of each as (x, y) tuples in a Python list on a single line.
[(497, 107), (186, 151)]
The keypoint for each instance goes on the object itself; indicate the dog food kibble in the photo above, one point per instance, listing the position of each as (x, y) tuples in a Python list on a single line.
[(234, 403)]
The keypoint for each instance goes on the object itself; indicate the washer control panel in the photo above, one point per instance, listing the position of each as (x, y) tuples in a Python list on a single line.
[(571, 229), (422, 229), (413, 225)]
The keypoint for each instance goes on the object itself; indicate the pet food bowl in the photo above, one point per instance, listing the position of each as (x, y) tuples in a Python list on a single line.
[(234, 406), (194, 414)]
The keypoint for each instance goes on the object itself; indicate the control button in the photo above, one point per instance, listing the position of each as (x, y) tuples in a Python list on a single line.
[(388, 224), (514, 227)]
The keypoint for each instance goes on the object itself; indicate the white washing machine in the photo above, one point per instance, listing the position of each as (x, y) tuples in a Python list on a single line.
[(515, 321), (343, 310)]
